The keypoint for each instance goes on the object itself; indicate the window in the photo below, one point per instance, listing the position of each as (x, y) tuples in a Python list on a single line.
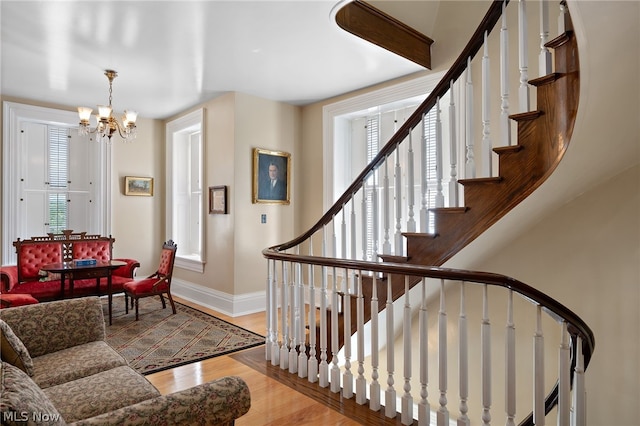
[(185, 195), (353, 131), (53, 179)]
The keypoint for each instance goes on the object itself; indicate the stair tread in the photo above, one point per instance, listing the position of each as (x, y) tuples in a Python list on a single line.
[(505, 149), (446, 210), (393, 258), (523, 116), (483, 180), (420, 234)]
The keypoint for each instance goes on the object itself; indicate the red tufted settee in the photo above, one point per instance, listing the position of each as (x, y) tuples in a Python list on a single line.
[(26, 277)]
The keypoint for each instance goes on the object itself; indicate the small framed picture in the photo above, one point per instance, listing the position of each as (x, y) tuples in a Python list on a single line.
[(271, 176), (218, 199), (138, 186)]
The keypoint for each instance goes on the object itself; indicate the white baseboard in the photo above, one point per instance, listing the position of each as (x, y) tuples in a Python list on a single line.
[(228, 304)]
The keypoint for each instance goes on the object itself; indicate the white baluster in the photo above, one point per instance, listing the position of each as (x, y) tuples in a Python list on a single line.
[(324, 366), (303, 361), (443, 412), (284, 307), (275, 348), (564, 391), (424, 187), (487, 153), (343, 235), (470, 164), (439, 194), (398, 183), (335, 347), (364, 224), (353, 228), (361, 382), (544, 60), (424, 409), (510, 364), (562, 18), (463, 359), (375, 217), (407, 399), (579, 395), (485, 336), (453, 150), (523, 58), (411, 222), (312, 368), (386, 208), (538, 371), (293, 321), (390, 393), (374, 389), (269, 314), (505, 122), (334, 238), (348, 376)]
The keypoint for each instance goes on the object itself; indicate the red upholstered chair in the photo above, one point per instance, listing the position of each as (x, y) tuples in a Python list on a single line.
[(158, 283)]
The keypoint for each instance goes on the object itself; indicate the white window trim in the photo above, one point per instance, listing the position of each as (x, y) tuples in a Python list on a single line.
[(14, 113), (195, 118), (398, 92)]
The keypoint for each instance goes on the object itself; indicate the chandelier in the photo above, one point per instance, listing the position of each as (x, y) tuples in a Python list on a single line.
[(107, 124)]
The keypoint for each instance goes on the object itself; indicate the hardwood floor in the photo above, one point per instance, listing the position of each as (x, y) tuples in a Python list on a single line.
[(272, 402)]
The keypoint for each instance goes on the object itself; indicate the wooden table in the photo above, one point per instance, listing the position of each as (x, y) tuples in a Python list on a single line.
[(80, 272)]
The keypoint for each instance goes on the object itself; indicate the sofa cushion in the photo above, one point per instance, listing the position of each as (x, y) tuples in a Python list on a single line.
[(92, 249), (32, 257), (23, 402), (100, 393), (13, 300), (41, 290), (49, 327), (13, 351), (75, 363)]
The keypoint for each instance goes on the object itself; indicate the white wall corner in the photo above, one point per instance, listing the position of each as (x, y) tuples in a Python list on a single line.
[(228, 304)]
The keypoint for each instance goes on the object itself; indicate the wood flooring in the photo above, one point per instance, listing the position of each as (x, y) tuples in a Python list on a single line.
[(272, 402)]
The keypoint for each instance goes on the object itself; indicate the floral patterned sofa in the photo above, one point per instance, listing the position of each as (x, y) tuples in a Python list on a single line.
[(57, 369), (32, 254)]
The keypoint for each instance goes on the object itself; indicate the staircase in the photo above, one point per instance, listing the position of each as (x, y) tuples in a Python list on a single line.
[(336, 295)]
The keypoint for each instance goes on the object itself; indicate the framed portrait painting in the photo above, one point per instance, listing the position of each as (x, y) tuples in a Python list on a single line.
[(271, 176), (138, 186)]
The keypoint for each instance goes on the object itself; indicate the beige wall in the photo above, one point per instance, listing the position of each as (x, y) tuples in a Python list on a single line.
[(235, 124), (137, 223), (586, 255)]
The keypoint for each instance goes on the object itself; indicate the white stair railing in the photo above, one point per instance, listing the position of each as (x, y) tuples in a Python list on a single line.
[(408, 393)]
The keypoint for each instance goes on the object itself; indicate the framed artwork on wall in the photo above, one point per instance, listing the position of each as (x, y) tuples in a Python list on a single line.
[(138, 186), (271, 176), (218, 199)]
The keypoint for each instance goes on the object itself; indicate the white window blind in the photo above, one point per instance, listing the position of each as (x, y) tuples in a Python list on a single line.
[(58, 175), (429, 129), (372, 148)]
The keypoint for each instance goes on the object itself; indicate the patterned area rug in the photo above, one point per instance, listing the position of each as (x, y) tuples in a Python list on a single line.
[(161, 340)]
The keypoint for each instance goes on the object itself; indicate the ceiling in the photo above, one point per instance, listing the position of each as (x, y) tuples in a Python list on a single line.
[(172, 55)]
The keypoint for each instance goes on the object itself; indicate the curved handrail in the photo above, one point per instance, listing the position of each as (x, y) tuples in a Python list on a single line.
[(473, 46), (575, 325)]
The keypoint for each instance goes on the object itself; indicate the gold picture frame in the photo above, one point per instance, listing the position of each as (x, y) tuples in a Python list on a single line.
[(218, 199), (134, 185), (271, 176)]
